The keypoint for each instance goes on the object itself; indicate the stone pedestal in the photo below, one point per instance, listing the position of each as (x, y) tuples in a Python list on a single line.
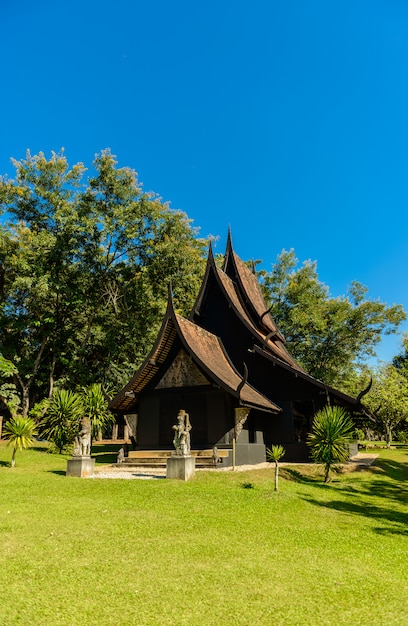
[(180, 467), (82, 466)]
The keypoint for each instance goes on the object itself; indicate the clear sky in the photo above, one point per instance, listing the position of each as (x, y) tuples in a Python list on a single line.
[(287, 120)]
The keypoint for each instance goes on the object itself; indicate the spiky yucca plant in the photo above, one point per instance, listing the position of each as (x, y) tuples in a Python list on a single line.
[(330, 436), (275, 453), (96, 408), (61, 421), (20, 432)]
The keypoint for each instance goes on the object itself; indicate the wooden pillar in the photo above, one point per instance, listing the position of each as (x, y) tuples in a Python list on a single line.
[(240, 413), (115, 432)]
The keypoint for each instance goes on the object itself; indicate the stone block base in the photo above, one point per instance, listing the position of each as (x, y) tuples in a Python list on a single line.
[(82, 466), (180, 467)]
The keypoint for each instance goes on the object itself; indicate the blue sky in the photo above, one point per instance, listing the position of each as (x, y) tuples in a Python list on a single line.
[(285, 120)]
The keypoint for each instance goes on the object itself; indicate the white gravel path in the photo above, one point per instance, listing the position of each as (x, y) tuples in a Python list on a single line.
[(157, 473)]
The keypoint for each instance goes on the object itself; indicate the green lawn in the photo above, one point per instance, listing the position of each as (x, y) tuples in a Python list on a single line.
[(223, 548)]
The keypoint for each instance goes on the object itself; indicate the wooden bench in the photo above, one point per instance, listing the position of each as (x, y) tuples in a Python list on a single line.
[(159, 457)]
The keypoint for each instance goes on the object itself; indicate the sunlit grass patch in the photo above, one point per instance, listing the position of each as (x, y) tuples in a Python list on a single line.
[(221, 548)]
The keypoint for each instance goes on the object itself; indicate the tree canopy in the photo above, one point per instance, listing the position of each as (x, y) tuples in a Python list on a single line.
[(329, 336), (388, 401), (86, 259), (85, 263)]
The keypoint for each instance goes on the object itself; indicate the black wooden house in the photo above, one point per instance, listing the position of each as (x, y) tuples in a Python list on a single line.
[(228, 367)]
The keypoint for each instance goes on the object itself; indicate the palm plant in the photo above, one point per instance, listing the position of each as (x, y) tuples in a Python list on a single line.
[(61, 421), (96, 408), (330, 436), (275, 453), (20, 432)]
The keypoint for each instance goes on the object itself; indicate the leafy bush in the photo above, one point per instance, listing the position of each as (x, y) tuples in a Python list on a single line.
[(402, 436), (359, 434)]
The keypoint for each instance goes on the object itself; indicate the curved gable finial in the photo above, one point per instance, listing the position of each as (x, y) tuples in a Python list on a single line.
[(228, 249)]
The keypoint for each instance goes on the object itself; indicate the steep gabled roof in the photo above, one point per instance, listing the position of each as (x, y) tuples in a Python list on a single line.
[(239, 304), (250, 291), (208, 354)]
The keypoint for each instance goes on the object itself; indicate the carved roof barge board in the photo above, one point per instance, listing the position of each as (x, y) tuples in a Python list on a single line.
[(207, 353)]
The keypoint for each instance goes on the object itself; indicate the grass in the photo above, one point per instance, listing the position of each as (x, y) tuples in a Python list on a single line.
[(222, 548)]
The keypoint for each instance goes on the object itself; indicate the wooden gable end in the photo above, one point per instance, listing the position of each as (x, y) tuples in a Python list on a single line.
[(182, 372)]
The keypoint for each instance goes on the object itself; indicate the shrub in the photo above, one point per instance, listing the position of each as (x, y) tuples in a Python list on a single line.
[(20, 432), (330, 436)]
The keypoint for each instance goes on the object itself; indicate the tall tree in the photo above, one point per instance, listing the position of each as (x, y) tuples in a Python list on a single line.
[(38, 251), (388, 400), (84, 267), (328, 336)]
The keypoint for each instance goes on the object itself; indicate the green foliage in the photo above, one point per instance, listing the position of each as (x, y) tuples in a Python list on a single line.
[(388, 400), (402, 436), (275, 453), (60, 423), (20, 433), (84, 269), (8, 390), (359, 434), (7, 368), (401, 360), (95, 407), (328, 336), (60, 416), (331, 433)]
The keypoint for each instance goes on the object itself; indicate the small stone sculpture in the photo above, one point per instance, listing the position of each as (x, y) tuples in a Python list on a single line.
[(121, 456), (82, 442), (181, 440)]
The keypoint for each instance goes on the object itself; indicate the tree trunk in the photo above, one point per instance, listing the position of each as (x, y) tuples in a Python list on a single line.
[(25, 388), (1, 425), (388, 436), (51, 380), (25, 401), (13, 457), (276, 476)]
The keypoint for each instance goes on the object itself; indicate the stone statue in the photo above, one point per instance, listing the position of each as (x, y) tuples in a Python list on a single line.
[(181, 440), (82, 442), (121, 456)]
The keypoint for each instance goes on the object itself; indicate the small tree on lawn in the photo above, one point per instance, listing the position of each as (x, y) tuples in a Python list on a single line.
[(20, 432), (275, 454), (330, 436)]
